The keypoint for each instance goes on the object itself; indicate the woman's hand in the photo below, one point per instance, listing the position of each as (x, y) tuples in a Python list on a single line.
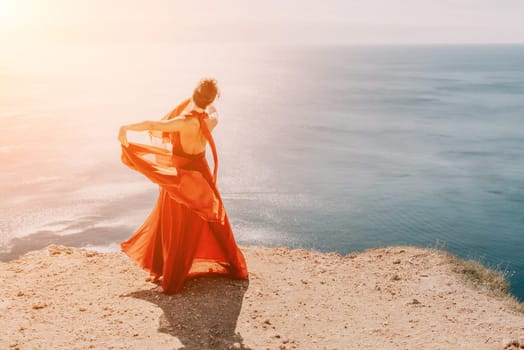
[(122, 136), (212, 111)]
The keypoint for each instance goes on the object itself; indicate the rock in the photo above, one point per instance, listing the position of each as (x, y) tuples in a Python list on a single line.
[(39, 306), (395, 277), (513, 344)]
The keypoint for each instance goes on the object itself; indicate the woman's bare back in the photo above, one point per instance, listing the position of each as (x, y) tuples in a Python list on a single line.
[(193, 140)]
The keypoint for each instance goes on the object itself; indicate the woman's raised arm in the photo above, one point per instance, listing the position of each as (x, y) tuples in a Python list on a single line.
[(171, 125)]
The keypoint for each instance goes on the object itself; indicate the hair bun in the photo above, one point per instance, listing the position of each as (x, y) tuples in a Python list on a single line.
[(205, 92)]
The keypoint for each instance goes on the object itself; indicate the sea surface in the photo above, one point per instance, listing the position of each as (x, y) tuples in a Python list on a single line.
[(326, 147)]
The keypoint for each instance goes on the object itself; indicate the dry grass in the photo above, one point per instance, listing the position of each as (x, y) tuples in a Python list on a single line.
[(480, 276)]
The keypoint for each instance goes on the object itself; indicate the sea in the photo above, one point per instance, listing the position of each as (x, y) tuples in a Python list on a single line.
[(332, 148)]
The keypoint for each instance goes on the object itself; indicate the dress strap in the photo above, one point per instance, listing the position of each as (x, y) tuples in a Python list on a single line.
[(209, 137)]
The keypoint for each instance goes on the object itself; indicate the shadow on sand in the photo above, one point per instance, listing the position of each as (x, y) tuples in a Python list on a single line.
[(204, 315)]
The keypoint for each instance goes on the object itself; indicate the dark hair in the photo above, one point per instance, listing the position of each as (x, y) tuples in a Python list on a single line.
[(205, 92)]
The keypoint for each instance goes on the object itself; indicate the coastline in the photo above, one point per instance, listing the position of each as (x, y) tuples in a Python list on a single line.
[(381, 298)]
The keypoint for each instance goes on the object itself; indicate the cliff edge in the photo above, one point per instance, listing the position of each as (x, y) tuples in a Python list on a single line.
[(400, 297)]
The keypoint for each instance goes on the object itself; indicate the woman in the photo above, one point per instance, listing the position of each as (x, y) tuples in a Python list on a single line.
[(188, 232)]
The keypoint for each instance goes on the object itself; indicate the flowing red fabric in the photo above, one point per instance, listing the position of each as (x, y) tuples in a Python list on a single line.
[(188, 233)]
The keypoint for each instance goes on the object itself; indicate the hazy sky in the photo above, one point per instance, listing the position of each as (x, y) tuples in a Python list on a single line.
[(264, 21)]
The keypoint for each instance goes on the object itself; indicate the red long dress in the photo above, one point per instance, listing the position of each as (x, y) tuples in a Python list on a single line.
[(188, 232)]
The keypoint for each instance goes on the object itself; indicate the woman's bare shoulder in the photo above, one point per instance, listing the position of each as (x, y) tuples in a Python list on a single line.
[(182, 123)]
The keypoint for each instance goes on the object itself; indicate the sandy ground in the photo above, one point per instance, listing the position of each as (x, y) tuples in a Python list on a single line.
[(385, 298)]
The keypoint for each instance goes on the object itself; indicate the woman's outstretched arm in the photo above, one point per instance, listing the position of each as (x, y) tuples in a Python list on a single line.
[(171, 125)]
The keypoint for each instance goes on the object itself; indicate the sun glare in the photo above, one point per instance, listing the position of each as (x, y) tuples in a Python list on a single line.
[(8, 9), (17, 23), (14, 13)]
